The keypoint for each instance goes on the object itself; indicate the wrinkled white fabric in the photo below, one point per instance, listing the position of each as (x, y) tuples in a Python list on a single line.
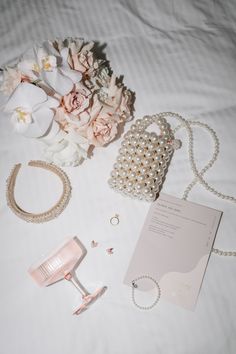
[(176, 56)]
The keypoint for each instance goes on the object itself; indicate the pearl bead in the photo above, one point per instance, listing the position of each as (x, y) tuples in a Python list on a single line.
[(151, 146), (147, 119), (146, 190), (140, 151), (160, 150), (154, 166), (121, 181), (166, 133), (149, 154), (162, 164), (131, 150), (145, 136), (146, 162), (126, 165), (161, 142), (141, 178), (122, 151), (119, 158), (134, 141), (160, 121), (129, 158), (160, 171), (115, 173), (153, 186), (158, 179), (124, 173), (157, 158), (127, 135), (149, 182), (151, 195), (142, 143), (139, 186), (135, 168), (152, 174), (137, 159), (143, 170), (130, 184)]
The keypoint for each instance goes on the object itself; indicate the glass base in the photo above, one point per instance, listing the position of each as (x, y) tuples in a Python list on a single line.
[(89, 300)]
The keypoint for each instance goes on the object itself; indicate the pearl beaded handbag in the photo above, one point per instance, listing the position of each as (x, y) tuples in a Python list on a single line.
[(143, 159)]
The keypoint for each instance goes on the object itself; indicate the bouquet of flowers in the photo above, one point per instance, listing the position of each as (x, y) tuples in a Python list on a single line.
[(61, 93)]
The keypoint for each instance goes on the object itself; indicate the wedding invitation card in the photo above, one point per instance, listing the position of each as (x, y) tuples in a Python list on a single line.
[(174, 248)]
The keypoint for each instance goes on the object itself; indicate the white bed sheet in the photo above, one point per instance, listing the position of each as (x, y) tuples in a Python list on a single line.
[(176, 56)]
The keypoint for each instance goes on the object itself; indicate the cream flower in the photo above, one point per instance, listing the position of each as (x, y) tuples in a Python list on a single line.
[(31, 110), (117, 98), (66, 149), (11, 79)]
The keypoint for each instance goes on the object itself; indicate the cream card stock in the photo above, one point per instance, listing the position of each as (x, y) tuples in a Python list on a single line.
[(174, 248)]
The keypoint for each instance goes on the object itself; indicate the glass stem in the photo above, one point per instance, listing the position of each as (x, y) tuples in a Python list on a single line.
[(73, 279)]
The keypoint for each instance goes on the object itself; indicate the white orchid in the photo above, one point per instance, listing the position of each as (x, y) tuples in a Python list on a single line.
[(31, 110), (47, 64)]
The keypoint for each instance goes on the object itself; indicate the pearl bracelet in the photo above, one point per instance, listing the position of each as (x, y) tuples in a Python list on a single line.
[(135, 286)]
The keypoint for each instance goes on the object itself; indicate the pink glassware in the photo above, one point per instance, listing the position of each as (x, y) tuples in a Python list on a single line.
[(61, 264)]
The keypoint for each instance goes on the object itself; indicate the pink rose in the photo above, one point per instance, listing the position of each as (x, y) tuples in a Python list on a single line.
[(102, 129), (102, 125), (73, 111), (84, 61), (77, 100)]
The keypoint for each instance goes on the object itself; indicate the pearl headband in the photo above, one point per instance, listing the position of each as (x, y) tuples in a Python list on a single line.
[(50, 214)]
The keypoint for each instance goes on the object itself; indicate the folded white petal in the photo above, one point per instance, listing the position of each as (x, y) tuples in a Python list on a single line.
[(25, 95), (74, 75), (42, 119), (54, 134), (28, 68), (64, 54), (76, 138), (60, 83), (50, 103)]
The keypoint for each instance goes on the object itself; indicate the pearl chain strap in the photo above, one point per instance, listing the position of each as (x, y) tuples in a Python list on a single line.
[(198, 175)]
